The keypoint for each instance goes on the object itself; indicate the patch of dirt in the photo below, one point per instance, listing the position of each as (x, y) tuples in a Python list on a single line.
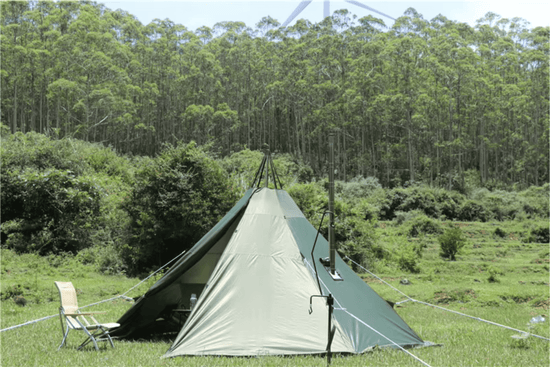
[(544, 304), (458, 295), (516, 298)]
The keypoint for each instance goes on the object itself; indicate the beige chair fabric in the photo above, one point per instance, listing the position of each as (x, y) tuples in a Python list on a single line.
[(76, 320)]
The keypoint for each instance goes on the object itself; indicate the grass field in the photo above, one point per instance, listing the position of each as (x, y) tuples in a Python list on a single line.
[(497, 278)]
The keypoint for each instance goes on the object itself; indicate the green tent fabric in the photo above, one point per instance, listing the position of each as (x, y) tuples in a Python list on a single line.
[(254, 282), (187, 276)]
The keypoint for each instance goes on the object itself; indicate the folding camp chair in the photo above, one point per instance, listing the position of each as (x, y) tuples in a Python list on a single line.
[(76, 320)]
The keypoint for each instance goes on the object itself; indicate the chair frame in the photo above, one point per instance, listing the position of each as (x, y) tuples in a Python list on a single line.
[(76, 320)]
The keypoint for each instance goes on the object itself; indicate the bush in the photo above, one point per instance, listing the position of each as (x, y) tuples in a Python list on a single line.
[(359, 187), (407, 258), (500, 233), (50, 211), (451, 242), (311, 199), (499, 204), (536, 201), (105, 259), (493, 274), (409, 199), (424, 225), (449, 203), (177, 198), (471, 211), (358, 240), (61, 195), (539, 234)]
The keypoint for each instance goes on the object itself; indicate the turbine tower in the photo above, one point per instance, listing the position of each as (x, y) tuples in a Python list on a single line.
[(326, 10)]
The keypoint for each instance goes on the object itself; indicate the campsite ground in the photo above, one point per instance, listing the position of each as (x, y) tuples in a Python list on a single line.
[(495, 278)]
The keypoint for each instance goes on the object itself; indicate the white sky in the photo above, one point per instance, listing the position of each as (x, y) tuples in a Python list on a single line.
[(194, 14)]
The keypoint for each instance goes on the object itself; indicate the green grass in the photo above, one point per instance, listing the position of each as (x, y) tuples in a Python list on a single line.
[(519, 290)]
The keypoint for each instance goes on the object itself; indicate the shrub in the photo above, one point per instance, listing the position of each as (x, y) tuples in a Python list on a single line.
[(536, 200), (493, 274), (471, 211), (451, 242), (539, 234), (424, 225), (421, 198), (60, 195), (359, 187), (500, 232), (105, 259), (403, 217), (364, 209), (55, 210), (178, 197), (407, 258), (408, 199), (499, 204), (310, 198), (449, 203)]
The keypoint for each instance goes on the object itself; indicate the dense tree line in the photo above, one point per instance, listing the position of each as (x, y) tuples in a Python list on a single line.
[(424, 100)]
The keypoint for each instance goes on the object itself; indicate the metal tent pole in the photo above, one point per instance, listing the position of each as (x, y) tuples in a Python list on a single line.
[(331, 242)]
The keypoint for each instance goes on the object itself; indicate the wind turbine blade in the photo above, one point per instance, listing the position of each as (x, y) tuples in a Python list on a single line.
[(296, 11), (326, 9), (368, 8)]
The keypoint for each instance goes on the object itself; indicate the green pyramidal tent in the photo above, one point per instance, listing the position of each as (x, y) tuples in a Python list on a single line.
[(253, 275)]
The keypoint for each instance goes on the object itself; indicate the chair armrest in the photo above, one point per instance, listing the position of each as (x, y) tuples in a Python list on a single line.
[(85, 313)]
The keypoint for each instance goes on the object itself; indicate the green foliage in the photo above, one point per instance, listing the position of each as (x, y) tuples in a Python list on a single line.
[(500, 232), (359, 187), (134, 86), (105, 259), (408, 257), (539, 234), (357, 239), (50, 211), (493, 274), (535, 201), (311, 198), (61, 195), (449, 203), (408, 199), (243, 165), (472, 211), (422, 225), (177, 198), (451, 242), (33, 150)]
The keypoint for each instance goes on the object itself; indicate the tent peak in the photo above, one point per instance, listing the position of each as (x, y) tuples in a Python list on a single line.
[(266, 169)]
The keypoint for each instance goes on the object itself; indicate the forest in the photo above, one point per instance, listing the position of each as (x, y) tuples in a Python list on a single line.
[(432, 101)]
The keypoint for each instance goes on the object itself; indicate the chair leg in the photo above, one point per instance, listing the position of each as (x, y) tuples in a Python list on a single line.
[(110, 340), (104, 335), (64, 338), (91, 338)]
